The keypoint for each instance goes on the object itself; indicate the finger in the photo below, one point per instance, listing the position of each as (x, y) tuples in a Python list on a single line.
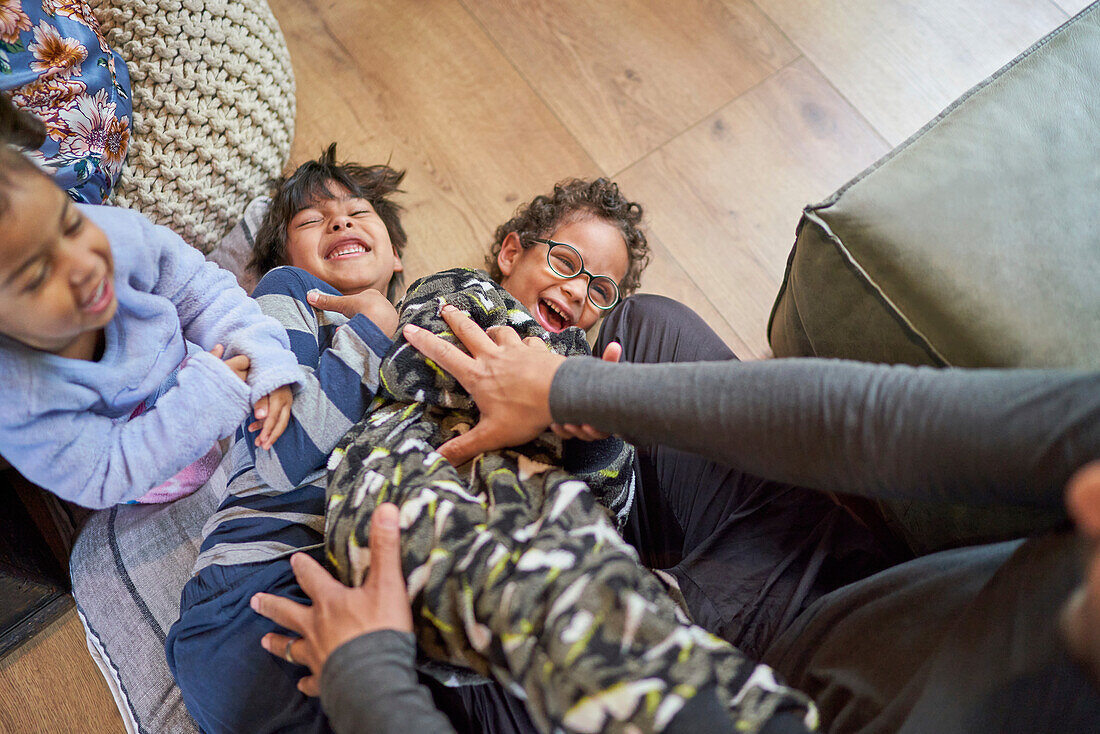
[(441, 351), (284, 612), (276, 644), (468, 332), (323, 301), (613, 352), (1083, 499), (560, 431), (218, 351), (588, 433), (255, 426), (282, 420), (461, 449), (502, 335), (385, 574), (534, 341), (310, 686), (261, 408), (240, 363), (312, 577)]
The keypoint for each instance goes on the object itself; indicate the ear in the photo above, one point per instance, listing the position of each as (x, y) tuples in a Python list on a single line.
[(510, 250), (397, 266)]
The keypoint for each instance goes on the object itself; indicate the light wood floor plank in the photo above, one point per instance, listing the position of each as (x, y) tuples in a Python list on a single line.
[(900, 63), (1073, 7), (667, 277), (627, 75), (725, 196), (50, 684), (420, 84)]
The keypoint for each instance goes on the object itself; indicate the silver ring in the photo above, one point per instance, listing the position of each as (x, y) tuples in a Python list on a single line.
[(286, 653)]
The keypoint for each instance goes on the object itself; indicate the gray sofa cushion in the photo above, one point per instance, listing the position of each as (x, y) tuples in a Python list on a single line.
[(975, 242), (129, 564)]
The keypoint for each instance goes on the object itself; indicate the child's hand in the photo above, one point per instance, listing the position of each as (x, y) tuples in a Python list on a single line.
[(273, 415), (370, 303), (239, 364)]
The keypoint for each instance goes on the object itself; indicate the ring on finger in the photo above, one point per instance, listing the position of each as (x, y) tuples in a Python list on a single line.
[(286, 653)]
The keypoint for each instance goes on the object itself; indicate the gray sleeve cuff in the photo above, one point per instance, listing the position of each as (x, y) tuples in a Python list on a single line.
[(369, 684)]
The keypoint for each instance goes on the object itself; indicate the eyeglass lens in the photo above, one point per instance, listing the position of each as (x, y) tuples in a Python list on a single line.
[(566, 262)]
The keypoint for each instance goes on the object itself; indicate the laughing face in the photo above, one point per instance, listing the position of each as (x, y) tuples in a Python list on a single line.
[(558, 303), (56, 271), (343, 242)]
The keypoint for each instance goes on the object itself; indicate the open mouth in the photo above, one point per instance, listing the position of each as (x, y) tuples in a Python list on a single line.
[(347, 248), (100, 298), (552, 317)]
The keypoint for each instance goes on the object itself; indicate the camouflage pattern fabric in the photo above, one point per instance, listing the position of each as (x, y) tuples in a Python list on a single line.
[(516, 570)]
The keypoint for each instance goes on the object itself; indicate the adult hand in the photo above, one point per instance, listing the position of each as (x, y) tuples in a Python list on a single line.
[(507, 377), (272, 415), (371, 303), (585, 432), (1081, 614), (240, 364), (339, 614)]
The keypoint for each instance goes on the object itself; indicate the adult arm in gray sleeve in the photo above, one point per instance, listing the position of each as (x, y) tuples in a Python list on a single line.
[(369, 686), (957, 435)]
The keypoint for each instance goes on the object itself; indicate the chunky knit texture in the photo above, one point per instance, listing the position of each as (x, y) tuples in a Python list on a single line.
[(214, 101)]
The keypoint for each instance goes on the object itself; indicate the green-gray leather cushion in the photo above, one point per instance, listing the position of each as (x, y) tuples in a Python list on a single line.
[(974, 243)]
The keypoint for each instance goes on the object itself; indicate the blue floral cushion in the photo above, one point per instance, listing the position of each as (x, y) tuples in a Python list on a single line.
[(55, 63)]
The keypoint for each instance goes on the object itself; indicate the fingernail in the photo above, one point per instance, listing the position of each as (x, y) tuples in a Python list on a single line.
[(254, 602), (312, 296), (410, 329), (448, 308), (261, 413)]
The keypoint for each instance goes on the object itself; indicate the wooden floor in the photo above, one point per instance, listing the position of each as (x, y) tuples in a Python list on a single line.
[(723, 117)]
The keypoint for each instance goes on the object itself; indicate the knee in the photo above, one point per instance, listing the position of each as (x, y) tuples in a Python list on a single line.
[(642, 311)]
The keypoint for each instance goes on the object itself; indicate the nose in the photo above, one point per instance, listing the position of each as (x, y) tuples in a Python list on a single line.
[(341, 222), (576, 288), (82, 263)]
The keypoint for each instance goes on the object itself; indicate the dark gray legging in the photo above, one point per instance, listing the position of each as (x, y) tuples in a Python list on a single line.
[(963, 640)]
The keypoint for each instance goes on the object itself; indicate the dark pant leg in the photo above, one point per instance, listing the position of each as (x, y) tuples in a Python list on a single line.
[(749, 554), (229, 683)]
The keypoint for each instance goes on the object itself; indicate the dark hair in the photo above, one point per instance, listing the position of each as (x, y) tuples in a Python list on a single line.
[(18, 129), (310, 183), (571, 201)]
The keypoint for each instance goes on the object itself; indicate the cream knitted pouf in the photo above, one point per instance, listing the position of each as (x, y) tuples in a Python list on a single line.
[(213, 95)]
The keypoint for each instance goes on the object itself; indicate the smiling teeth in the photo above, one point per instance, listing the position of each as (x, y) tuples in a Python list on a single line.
[(98, 293), (345, 250), (558, 311)]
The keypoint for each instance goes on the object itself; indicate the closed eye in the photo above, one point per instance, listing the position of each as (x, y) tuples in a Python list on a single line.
[(39, 278)]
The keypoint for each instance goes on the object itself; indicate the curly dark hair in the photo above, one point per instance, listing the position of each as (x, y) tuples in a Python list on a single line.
[(574, 200), (309, 184)]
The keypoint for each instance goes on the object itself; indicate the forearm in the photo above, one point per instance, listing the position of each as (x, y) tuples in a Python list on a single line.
[(213, 309), (98, 462), (369, 685), (917, 433)]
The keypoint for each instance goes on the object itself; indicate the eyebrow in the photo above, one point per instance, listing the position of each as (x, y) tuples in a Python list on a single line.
[(66, 207)]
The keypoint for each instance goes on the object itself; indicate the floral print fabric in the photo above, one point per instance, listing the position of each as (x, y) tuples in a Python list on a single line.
[(55, 63)]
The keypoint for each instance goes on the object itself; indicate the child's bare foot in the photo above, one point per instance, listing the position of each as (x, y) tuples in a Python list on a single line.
[(1081, 613)]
